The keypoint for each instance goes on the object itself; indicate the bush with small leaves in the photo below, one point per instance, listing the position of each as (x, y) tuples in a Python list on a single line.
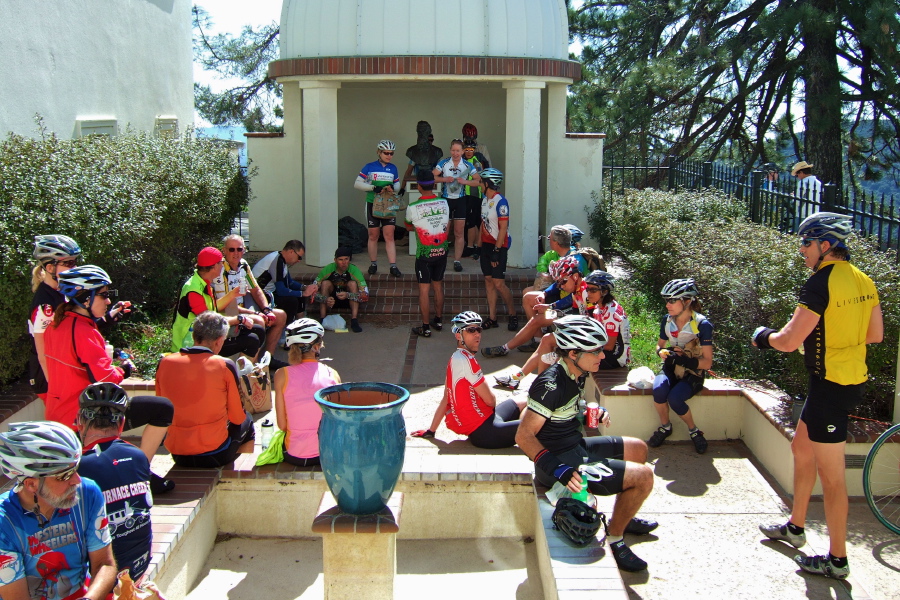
[(139, 205)]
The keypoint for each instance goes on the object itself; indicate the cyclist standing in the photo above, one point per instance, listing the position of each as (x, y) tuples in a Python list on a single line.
[(838, 313), (373, 178)]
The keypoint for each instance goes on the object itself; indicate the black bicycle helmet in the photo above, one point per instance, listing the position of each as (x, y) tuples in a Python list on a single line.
[(578, 521), (601, 279), (50, 248), (104, 394)]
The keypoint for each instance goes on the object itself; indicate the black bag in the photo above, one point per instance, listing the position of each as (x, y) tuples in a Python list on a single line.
[(352, 234)]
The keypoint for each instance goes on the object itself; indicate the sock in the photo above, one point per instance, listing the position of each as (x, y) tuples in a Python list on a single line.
[(426, 327), (838, 562), (667, 426), (506, 347), (393, 265), (694, 430), (374, 262), (536, 340), (794, 529), (614, 539)]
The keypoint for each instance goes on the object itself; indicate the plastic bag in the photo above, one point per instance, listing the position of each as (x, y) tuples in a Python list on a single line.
[(640, 378), (334, 322)]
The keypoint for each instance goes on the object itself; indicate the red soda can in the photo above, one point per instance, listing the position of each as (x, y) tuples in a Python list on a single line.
[(593, 415)]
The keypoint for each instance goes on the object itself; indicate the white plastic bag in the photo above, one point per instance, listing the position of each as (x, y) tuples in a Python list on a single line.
[(641, 378), (334, 322)]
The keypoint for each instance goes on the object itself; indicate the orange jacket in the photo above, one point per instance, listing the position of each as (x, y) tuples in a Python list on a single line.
[(203, 387)]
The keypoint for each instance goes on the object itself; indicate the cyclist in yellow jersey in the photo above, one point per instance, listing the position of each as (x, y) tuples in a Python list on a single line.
[(838, 313)]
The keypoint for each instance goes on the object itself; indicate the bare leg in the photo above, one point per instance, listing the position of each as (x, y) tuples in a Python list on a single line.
[(459, 238), (424, 302), (353, 288), (804, 473), (529, 299), (663, 411), (688, 419), (504, 292), (492, 297), (635, 450), (389, 245), (374, 233), (830, 466), (151, 439), (326, 288), (529, 331), (638, 484), (438, 287), (275, 330)]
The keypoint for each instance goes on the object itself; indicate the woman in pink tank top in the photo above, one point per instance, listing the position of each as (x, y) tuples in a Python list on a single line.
[(296, 410)]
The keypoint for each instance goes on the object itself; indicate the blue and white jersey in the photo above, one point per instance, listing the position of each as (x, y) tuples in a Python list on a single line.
[(462, 169), (123, 473), (379, 175), (53, 559)]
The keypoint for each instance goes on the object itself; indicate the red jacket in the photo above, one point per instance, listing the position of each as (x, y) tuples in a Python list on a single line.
[(76, 358)]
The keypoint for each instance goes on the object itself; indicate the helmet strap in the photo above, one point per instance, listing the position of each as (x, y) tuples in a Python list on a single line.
[(41, 519), (822, 255)]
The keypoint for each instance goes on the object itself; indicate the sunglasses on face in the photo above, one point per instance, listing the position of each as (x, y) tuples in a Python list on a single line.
[(806, 243), (672, 300), (388, 153), (593, 290), (66, 263), (472, 330), (299, 256), (235, 249), (596, 352), (105, 295), (66, 475)]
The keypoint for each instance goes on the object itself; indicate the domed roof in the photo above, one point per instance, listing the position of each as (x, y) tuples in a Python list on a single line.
[(498, 28)]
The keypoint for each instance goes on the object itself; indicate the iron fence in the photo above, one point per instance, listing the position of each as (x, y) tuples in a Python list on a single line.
[(779, 201)]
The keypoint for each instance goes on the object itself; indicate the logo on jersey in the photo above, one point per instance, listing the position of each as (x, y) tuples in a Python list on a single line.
[(47, 310), (831, 429), (9, 566), (120, 460), (504, 211), (101, 527)]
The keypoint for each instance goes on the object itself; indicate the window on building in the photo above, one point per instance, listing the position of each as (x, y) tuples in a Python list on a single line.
[(88, 127)]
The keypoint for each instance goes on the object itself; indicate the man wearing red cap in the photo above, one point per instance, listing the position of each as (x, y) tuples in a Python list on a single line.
[(197, 297)]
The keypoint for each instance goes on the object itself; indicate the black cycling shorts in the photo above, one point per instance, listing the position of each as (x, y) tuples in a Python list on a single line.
[(372, 222), (608, 450), (430, 269), (498, 272), (457, 208), (827, 409), (473, 211)]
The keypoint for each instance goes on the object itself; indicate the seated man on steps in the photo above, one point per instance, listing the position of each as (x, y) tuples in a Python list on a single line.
[(568, 279), (272, 273), (342, 284), (210, 426), (549, 433)]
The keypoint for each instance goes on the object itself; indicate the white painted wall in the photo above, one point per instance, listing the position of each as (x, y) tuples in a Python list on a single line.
[(76, 59)]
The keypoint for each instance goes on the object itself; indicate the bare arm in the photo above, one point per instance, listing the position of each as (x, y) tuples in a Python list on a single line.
[(440, 411), (797, 329), (485, 393), (280, 384), (103, 573), (875, 333), (227, 299), (42, 357), (17, 590), (526, 439)]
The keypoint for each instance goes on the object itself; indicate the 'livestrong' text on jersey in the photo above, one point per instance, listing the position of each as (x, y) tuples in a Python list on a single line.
[(842, 297)]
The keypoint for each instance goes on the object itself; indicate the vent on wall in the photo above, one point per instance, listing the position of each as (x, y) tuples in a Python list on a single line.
[(88, 127), (167, 127)]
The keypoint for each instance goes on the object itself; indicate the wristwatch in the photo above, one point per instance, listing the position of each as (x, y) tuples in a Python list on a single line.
[(240, 319)]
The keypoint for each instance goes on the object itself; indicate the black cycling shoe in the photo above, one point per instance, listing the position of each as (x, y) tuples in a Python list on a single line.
[(625, 558), (700, 443), (640, 526), (659, 436), (437, 324), (422, 331), (396, 272), (373, 268), (159, 486), (513, 324)]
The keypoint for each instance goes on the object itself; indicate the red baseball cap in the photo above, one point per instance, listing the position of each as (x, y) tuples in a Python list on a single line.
[(209, 256)]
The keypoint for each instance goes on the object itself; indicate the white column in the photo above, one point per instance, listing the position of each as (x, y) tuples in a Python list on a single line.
[(521, 184), (319, 163)]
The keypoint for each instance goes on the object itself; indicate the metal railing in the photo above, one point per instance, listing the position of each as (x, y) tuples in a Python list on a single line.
[(780, 202)]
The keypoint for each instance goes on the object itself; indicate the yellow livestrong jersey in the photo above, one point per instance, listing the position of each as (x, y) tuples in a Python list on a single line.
[(843, 298)]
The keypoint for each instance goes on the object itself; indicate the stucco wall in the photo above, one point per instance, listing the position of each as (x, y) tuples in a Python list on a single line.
[(75, 59)]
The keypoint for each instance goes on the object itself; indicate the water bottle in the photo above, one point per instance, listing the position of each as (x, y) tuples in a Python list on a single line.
[(109, 350), (583, 494), (266, 432)]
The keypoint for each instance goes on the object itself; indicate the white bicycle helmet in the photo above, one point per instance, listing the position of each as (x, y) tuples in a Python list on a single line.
[(51, 248), (304, 331), (386, 145), (824, 225), (38, 449), (465, 319), (85, 277), (582, 334), (680, 288), (493, 176)]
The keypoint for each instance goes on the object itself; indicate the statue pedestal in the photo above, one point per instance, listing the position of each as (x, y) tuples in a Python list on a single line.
[(359, 551)]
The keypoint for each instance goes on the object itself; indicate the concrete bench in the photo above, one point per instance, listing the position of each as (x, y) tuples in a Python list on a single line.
[(569, 572)]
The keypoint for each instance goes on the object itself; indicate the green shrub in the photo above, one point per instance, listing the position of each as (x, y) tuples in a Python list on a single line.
[(139, 206), (748, 275)]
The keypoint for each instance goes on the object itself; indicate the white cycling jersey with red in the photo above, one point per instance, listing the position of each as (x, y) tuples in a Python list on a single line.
[(493, 211), (429, 216), (466, 411), (618, 328)]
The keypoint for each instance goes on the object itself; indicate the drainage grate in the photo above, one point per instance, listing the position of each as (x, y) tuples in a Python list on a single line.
[(854, 461)]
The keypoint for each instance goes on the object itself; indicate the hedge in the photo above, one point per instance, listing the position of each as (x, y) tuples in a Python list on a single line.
[(748, 275), (140, 207)]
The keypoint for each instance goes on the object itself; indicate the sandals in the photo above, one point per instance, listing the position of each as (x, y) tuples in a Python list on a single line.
[(489, 323)]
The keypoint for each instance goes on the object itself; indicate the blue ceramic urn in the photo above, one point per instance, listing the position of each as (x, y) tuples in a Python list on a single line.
[(362, 443)]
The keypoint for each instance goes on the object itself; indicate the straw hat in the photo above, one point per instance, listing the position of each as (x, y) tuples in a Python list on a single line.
[(799, 167)]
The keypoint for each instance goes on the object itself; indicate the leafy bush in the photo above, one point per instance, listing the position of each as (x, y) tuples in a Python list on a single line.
[(140, 207), (748, 275)]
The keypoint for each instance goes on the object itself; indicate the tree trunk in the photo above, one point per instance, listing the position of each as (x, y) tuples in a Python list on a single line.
[(823, 101)]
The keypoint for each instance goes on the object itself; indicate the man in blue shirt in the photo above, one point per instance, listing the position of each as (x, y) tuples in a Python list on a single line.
[(53, 525)]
